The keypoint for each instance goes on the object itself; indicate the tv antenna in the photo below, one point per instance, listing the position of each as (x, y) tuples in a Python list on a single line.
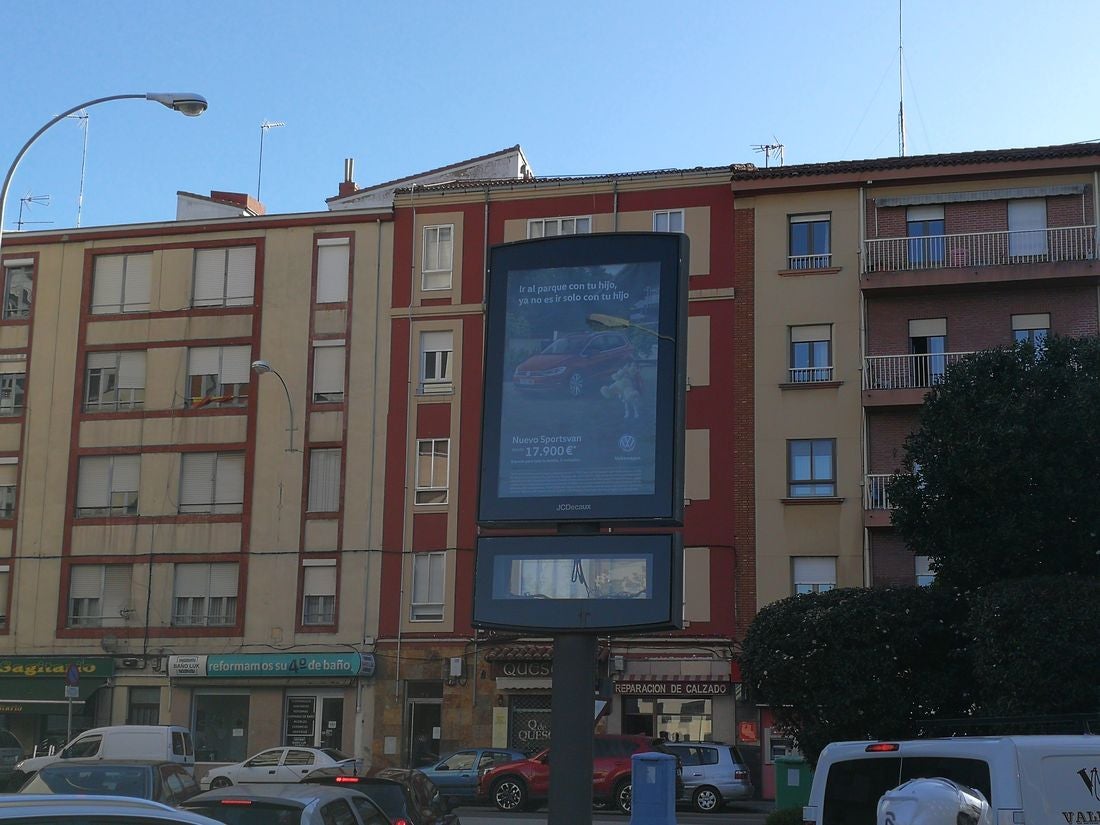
[(267, 124), (770, 149), (82, 116), (27, 201)]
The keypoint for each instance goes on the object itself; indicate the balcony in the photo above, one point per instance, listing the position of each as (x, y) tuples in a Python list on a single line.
[(907, 377), (876, 500)]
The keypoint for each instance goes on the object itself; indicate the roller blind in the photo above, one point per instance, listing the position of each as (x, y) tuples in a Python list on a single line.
[(197, 478), (927, 327), (240, 277), (1039, 320), (223, 579), (324, 480), (139, 269), (191, 580), (925, 213), (817, 332), (320, 581), (102, 360), (229, 481), (9, 366), (93, 482), (204, 361), (815, 569), (9, 475), (85, 581), (209, 277), (131, 370), (116, 591), (107, 283), (328, 369), (125, 473), (236, 365), (332, 272)]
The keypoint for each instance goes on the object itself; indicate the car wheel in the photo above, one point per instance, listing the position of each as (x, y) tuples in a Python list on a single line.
[(623, 796), (576, 385), (509, 794), (707, 800), (219, 782)]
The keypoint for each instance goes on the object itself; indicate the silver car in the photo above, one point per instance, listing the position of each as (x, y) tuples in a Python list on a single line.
[(290, 804), (714, 774), (58, 809)]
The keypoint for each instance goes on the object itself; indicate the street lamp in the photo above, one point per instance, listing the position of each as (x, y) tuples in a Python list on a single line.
[(261, 367), (186, 103)]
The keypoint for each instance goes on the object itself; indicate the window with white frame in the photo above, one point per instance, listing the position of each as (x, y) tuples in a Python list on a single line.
[(114, 381), (107, 485), (319, 592), (436, 356), (329, 358), (99, 595), (923, 569), (333, 263), (1033, 329), (549, 227), (432, 470), (438, 257), (324, 480), (18, 288), (813, 574), (811, 353), (120, 283), (811, 467), (205, 595), (224, 277), (809, 241), (218, 376), (428, 575), (211, 483), (13, 391), (5, 585), (670, 220), (9, 483)]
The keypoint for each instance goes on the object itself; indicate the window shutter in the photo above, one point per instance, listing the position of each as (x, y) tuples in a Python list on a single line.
[(209, 277), (438, 341), (332, 272), (240, 276), (1039, 320), (925, 213), (197, 478), (116, 591), (85, 581), (102, 360), (191, 580), (229, 482), (9, 477), (324, 481), (236, 365), (107, 284), (17, 366), (815, 569), (139, 268), (320, 581), (328, 369), (131, 370), (203, 361), (223, 580), (126, 473), (93, 482), (818, 332), (927, 327)]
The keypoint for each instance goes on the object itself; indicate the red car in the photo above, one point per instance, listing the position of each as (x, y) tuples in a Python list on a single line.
[(573, 363), (525, 785)]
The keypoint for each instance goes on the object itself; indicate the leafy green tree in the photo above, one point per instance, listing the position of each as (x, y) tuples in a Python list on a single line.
[(1006, 456), (858, 663)]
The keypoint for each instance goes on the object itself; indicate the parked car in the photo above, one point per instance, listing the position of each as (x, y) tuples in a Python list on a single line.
[(84, 809), (167, 782), (573, 363), (456, 774), (161, 743), (405, 794), (714, 774), (287, 804), (525, 785), (279, 765), (11, 751)]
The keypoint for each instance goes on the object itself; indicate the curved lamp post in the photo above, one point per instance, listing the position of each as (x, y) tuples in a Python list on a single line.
[(186, 103), (261, 367)]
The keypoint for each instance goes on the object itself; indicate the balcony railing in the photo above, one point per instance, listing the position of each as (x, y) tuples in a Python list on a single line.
[(810, 375), (1067, 243), (823, 261), (903, 372), (874, 491)]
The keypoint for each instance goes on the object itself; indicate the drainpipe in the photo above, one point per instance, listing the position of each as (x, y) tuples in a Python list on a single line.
[(615, 202), (862, 364)]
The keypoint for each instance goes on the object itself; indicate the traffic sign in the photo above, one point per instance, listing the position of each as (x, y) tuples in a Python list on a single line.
[(72, 692), (72, 675)]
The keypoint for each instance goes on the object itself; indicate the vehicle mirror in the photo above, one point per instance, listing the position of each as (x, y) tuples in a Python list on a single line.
[(442, 767)]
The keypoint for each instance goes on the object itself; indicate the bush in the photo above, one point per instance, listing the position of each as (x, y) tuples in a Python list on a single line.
[(785, 816)]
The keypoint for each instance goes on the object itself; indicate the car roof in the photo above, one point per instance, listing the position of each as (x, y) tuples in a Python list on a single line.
[(55, 805), (302, 794), (87, 763)]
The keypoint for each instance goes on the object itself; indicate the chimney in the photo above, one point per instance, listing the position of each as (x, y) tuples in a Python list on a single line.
[(347, 186)]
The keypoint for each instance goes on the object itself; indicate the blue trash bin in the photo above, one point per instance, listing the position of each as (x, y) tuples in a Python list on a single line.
[(653, 789)]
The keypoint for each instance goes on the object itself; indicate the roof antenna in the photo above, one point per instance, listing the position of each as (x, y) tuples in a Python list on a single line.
[(770, 149), (82, 116), (27, 200), (901, 90), (267, 124)]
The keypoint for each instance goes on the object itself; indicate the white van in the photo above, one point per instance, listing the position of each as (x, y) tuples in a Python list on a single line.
[(1028, 780), (162, 743)]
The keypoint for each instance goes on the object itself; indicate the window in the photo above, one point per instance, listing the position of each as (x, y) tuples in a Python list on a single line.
[(436, 354), (811, 353), (438, 254), (1027, 228), (114, 381), (144, 706), (108, 485), (205, 595), (324, 481), (12, 392), (1034, 329), (925, 229), (810, 245), (224, 277), (5, 581), (18, 284), (671, 220), (120, 283), (328, 371), (333, 263), (427, 590), (211, 483), (549, 227), (432, 470), (319, 592), (813, 574), (99, 595), (218, 376), (924, 573), (9, 481), (220, 724), (811, 470), (928, 343)]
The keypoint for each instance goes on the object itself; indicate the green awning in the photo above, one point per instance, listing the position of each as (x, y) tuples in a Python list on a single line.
[(30, 683)]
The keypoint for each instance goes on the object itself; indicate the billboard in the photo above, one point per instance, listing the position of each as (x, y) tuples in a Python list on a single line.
[(584, 380)]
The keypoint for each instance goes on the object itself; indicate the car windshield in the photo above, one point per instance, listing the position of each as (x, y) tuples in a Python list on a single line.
[(390, 798), (249, 812), (335, 755), (120, 780), (564, 346)]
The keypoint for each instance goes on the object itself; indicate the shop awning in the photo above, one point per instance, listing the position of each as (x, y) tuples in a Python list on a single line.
[(29, 684), (529, 653), (523, 683)]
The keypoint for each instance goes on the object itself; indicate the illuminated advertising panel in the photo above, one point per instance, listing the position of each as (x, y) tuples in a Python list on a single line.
[(584, 380)]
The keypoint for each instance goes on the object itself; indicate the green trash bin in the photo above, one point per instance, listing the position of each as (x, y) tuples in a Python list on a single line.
[(792, 782)]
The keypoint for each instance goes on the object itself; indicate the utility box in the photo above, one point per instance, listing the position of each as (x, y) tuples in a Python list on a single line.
[(792, 782), (653, 795)]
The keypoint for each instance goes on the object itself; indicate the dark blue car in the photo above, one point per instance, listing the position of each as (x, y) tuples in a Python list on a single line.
[(456, 774)]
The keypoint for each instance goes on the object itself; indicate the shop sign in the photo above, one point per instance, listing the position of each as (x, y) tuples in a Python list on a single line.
[(748, 733), (527, 669), (30, 667), (532, 729), (683, 687), (301, 719), (272, 665)]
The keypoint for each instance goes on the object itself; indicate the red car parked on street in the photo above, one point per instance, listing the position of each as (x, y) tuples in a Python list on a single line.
[(575, 363)]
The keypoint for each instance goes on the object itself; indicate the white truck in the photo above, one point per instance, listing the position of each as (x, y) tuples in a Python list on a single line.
[(163, 743)]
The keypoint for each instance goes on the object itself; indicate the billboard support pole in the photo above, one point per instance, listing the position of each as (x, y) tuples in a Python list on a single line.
[(571, 712)]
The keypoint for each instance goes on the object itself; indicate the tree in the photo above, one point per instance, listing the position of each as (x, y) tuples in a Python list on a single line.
[(1003, 467), (858, 663)]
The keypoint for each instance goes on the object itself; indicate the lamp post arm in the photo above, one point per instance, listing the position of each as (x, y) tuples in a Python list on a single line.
[(290, 412)]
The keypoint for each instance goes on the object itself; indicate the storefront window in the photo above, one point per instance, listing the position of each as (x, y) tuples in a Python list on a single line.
[(676, 720), (221, 727), (529, 725), (314, 721), (144, 706)]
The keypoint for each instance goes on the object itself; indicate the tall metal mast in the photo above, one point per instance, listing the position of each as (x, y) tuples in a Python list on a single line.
[(901, 89)]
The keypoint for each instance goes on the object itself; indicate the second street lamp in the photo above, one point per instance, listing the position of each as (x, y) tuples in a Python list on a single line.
[(261, 367)]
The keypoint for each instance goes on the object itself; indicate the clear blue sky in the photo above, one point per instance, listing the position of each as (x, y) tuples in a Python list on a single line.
[(584, 87)]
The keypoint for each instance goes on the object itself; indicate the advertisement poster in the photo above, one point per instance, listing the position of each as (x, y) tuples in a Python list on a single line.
[(579, 395)]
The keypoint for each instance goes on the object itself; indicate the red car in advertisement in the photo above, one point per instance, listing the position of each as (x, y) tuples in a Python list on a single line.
[(575, 363)]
